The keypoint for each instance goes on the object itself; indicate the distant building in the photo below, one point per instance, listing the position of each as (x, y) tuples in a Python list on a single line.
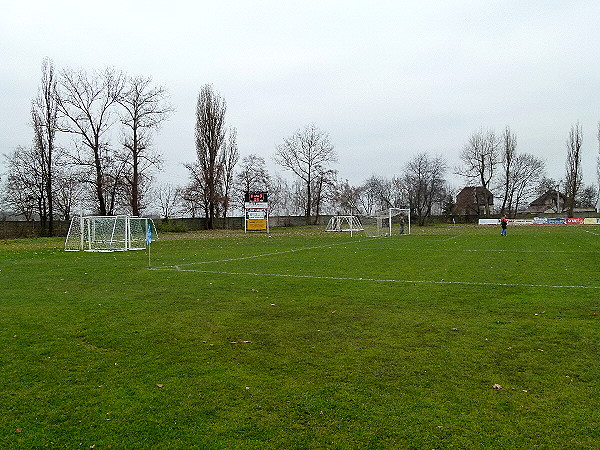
[(472, 201), (549, 202)]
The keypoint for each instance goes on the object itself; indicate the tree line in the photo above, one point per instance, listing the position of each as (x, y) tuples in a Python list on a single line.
[(49, 180), (110, 164)]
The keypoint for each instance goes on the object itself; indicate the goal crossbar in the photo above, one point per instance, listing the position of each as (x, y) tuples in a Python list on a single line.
[(389, 222), (109, 233)]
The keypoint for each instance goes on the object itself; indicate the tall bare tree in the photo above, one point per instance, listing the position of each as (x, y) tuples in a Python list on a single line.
[(308, 154), (480, 158), (210, 138), (86, 106), (598, 173), (44, 110), (229, 160), (145, 107), (573, 175), (509, 149)]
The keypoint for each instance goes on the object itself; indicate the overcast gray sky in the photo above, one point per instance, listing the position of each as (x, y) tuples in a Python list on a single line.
[(385, 79)]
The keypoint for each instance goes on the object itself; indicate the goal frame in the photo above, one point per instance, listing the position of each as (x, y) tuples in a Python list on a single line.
[(109, 233), (383, 223), (391, 213), (350, 224)]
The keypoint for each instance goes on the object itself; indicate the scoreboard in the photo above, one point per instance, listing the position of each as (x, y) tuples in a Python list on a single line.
[(256, 211), (256, 197)]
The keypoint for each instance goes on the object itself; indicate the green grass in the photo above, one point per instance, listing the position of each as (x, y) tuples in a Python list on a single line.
[(305, 339)]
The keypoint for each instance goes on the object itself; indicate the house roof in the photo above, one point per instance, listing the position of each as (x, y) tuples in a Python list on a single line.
[(548, 198), (473, 194), (478, 189)]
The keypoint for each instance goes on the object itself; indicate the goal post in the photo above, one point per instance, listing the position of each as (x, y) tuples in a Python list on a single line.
[(399, 221), (391, 222), (108, 233)]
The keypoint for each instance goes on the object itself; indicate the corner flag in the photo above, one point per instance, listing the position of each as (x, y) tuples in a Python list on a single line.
[(149, 235)]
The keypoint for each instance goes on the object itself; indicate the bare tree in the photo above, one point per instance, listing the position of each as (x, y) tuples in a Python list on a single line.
[(347, 198), (168, 197), (86, 106), (546, 184), (24, 190), (145, 107), (323, 189), (210, 138), (376, 194), (573, 175), (44, 110), (253, 174), (523, 178), (480, 158), (369, 193), (195, 195), (229, 159), (425, 184), (509, 149), (280, 195), (588, 197), (68, 190), (521, 174), (598, 173), (307, 153)]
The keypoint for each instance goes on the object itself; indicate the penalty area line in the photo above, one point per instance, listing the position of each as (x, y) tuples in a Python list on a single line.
[(591, 232), (263, 255), (380, 280)]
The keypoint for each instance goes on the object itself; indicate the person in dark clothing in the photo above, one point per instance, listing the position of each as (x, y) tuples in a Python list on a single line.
[(503, 223)]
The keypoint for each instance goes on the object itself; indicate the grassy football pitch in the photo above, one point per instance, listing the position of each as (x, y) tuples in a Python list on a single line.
[(451, 337)]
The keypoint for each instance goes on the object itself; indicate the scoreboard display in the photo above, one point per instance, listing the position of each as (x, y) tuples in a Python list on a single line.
[(256, 197), (256, 207)]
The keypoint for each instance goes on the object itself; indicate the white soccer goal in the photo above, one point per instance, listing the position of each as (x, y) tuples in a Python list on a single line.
[(344, 223), (108, 233), (394, 221)]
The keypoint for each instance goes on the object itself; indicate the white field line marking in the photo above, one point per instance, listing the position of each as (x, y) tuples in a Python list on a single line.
[(591, 232), (241, 258), (379, 280), (454, 250)]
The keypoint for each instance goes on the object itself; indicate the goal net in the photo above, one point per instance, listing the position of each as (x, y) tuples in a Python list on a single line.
[(344, 223), (394, 221), (108, 233)]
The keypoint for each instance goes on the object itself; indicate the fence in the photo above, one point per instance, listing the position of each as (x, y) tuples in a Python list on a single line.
[(14, 229)]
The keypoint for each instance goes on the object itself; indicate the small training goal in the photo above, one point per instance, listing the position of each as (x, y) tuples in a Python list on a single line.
[(344, 223), (109, 233)]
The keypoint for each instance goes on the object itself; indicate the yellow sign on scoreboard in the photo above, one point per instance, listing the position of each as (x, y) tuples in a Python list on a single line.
[(256, 224)]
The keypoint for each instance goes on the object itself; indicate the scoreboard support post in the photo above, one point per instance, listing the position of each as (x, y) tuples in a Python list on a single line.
[(256, 212)]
